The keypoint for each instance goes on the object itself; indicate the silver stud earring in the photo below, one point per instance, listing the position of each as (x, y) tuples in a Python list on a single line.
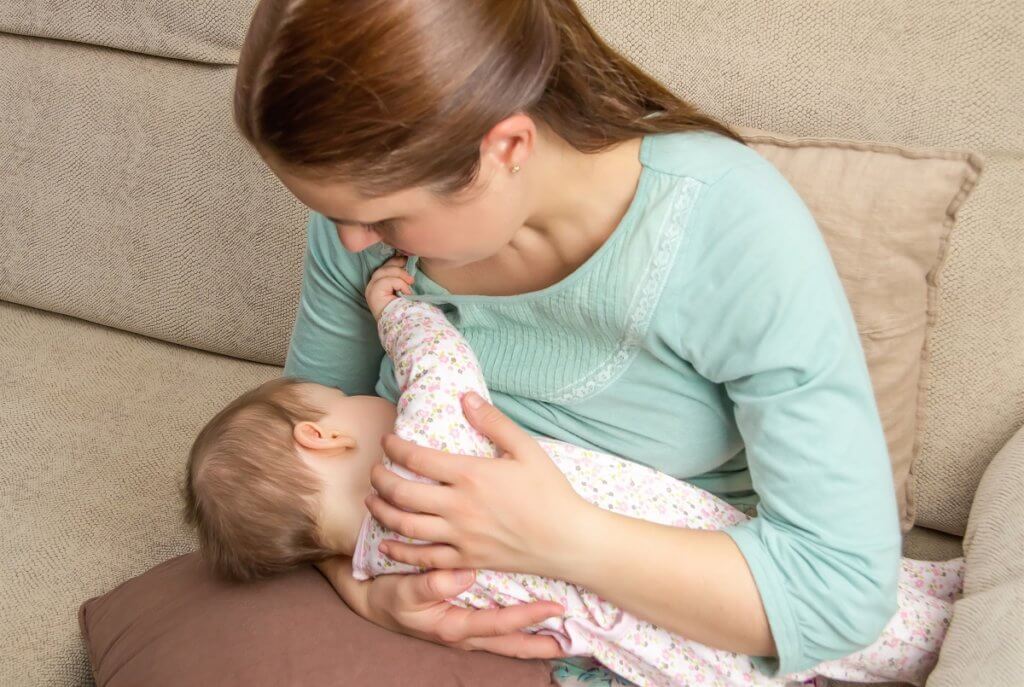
[(515, 169)]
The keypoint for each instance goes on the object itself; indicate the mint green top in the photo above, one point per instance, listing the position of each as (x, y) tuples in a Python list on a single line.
[(710, 338)]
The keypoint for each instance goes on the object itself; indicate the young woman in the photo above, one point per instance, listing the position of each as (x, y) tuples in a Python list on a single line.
[(632, 277)]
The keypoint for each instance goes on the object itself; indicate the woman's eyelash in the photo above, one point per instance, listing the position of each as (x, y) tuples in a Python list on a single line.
[(386, 225)]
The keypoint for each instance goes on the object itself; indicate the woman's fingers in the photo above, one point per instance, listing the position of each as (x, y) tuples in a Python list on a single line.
[(415, 497), (497, 622), (519, 645), (413, 525), (430, 587), (497, 427), (497, 630), (437, 465), (434, 556)]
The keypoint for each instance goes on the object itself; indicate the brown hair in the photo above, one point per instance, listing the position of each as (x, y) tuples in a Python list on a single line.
[(252, 500), (393, 94)]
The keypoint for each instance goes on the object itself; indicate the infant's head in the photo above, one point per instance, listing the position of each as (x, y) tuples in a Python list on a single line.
[(277, 477)]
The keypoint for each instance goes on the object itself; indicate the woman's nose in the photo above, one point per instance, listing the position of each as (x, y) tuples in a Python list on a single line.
[(356, 238)]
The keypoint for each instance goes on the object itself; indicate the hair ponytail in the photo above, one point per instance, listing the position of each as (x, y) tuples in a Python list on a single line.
[(596, 97)]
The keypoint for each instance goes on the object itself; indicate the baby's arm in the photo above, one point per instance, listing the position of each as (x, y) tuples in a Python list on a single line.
[(434, 368)]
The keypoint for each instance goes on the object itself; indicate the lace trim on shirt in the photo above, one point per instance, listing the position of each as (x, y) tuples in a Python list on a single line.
[(645, 298)]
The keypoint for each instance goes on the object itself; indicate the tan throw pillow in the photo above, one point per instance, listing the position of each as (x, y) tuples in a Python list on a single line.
[(886, 213)]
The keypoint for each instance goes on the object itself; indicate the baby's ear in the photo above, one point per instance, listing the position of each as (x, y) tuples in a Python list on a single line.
[(313, 436)]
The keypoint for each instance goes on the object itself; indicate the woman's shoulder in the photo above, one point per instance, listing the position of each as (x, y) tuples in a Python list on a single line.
[(324, 247), (701, 154)]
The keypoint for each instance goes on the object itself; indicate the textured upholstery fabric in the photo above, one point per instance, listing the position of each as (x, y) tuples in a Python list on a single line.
[(886, 214), (985, 643), (942, 73), (95, 426), (128, 199), (976, 377), (206, 31)]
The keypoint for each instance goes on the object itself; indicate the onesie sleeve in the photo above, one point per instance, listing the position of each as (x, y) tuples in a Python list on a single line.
[(434, 367), (763, 313), (334, 339)]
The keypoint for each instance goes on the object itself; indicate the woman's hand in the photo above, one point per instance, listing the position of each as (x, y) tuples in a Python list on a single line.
[(416, 605), (516, 513)]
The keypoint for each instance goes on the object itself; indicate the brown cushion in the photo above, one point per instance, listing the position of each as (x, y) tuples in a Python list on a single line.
[(886, 213), (177, 625)]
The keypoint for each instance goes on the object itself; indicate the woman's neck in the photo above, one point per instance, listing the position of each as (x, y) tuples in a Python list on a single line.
[(579, 199)]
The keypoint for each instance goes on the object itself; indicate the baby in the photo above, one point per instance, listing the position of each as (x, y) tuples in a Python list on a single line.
[(278, 478)]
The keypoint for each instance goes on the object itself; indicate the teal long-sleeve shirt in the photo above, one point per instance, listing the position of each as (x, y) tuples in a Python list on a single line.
[(709, 338)]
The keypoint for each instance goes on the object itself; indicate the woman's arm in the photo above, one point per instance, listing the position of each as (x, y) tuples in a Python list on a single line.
[(519, 514), (762, 312), (334, 340)]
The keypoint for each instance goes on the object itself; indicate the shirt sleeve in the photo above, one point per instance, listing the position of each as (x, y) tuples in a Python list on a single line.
[(763, 313), (334, 340)]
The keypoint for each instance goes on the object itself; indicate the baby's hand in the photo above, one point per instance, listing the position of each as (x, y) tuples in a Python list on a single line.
[(385, 281)]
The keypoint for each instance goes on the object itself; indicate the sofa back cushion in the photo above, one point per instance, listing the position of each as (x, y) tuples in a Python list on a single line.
[(205, 31)]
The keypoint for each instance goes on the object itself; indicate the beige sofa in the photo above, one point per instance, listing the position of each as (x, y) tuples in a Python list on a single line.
[(149, 268)]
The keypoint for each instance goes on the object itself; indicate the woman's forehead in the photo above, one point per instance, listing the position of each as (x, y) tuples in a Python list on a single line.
[(344, 201)]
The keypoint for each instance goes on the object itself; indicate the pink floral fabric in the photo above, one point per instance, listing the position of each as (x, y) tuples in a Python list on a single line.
[(434, 367)]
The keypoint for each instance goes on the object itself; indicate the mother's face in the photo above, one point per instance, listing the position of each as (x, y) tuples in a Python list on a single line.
[(448, 232)]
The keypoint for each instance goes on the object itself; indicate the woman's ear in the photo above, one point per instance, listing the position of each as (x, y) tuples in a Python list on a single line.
[(313, 436), (510, 142)]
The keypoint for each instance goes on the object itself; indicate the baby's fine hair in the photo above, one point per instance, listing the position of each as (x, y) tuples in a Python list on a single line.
[(252, 500)]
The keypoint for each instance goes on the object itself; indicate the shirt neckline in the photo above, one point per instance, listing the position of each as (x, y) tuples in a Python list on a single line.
[(434, 292)]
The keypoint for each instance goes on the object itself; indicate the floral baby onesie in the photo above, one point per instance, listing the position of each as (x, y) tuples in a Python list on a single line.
[(434, 367)]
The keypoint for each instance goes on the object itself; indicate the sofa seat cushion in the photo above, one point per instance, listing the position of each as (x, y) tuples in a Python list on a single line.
[(206, 31), (96, 428)]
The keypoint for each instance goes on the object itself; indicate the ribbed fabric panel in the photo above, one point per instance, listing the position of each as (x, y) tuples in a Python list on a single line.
[(567, 342)]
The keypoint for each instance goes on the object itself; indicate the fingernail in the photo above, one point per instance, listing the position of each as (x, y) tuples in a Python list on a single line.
[(464, 576), (473, 400), (384, 549)]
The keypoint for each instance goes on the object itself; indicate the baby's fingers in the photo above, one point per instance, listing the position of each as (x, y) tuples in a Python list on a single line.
[(392, 284), (391, 272)]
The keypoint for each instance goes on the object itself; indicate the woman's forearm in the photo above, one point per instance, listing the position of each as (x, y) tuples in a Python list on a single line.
[(695, 583), (338, 571)]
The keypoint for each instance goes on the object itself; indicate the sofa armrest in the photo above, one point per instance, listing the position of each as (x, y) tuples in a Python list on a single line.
[(985, 641)]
